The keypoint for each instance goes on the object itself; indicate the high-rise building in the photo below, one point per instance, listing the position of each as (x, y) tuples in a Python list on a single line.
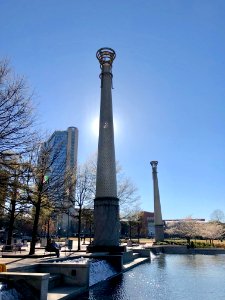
[(64, 145), (66, 142)]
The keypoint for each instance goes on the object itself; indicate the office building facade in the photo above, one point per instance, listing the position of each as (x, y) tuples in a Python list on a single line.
[(64, 146)]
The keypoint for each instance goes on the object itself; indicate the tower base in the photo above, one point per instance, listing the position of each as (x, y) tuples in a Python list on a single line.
[(108, 249), (159, 233), (106, 223)]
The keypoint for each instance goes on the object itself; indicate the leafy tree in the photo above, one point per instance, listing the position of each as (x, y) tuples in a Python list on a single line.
[(45, 189), (14, 204), (23, 224)]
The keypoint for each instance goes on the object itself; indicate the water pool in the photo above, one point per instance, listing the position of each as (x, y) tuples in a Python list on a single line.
[(167, 277)]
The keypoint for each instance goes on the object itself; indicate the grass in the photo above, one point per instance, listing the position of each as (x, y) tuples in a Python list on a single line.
[(197, 243)]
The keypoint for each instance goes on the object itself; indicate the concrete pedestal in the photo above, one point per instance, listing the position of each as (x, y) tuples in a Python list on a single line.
[(106, 214), (106, 249), (159, 233)]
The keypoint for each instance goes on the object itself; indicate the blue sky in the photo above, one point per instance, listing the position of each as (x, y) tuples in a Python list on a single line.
[(168, 92)]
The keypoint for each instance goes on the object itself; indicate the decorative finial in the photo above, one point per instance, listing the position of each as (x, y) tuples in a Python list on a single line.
[(154, 163), (106, 56)]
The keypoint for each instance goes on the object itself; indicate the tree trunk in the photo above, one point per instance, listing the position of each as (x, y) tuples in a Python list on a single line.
[(35, 226), (12, 215), (48, 225), (130, 230), (68, 224), (90, 231), (138, 232), (79, 228)]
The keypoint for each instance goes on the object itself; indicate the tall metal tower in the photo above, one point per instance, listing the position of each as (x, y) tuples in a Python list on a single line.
[(159, 231)]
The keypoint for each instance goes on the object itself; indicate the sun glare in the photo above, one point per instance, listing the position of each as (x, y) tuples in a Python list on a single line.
[(95, 126)]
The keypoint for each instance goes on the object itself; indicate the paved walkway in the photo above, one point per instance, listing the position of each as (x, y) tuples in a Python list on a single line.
[(19, 258)]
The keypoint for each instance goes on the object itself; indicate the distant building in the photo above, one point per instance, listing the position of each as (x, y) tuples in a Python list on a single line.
[(183, 220), (147, 224), (64, 144), (141, 225)]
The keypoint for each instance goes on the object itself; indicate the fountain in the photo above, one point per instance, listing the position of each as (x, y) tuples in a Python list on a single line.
[(99, 269), (8, 292), (91, 269)]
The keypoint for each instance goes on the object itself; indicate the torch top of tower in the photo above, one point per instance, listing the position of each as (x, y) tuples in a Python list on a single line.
[(106, 56), (154, 163)]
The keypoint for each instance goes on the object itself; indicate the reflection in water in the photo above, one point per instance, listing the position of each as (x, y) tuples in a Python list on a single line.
[(8, 292), (161, 262), (167, 277)]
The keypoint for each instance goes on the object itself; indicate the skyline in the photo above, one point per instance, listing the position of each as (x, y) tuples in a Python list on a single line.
[(168, 96)]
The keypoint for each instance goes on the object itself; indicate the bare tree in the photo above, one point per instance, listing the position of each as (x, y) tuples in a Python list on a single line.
[(127, 192), (88, 219), (128, 195), (212, 231), (83, 193), (192, 229), (4, 181), (16, 113), (217, 215), (133, 219), (187, 228), (17, 133)]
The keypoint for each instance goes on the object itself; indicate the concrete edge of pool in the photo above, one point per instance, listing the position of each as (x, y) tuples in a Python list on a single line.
[(66, 292), (37, 272), (73, 278)]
